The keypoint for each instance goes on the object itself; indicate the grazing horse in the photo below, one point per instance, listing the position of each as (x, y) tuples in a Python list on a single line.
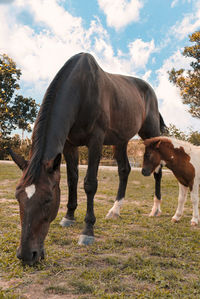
[(183, 159), (82, 106)]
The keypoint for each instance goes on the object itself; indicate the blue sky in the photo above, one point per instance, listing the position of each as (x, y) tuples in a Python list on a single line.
[(142, 38)]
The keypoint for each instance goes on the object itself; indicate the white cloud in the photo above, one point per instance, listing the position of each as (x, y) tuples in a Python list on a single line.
[(189, 24), (41, 54), (174, 3), (170, 103), (147, 75), (140, 52), (120, 13)]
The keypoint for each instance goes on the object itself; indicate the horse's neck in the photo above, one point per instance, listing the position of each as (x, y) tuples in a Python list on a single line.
[(61, 119), (58, 130)]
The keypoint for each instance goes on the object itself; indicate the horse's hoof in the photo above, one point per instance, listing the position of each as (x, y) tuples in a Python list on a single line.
[(174, 220), (193, 223), (112, 215), (85, 240), (66, 222), (156, 213)]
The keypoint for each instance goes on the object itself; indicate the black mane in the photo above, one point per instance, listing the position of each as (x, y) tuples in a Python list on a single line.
[(41, 125)]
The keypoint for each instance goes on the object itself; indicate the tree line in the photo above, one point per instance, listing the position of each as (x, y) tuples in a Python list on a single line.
[(19, 112)]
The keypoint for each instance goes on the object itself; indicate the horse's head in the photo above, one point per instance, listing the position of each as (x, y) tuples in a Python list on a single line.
[(38, 204), (152, 157)]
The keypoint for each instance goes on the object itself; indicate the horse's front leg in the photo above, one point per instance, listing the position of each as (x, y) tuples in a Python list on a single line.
[(123, 171), (90, 186), (181, 202), (71, 158), (156, 209)]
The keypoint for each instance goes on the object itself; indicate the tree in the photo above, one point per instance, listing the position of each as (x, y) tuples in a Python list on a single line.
[(194, 138), (19, 146), (173, 131), (188, 81), (15, 110)]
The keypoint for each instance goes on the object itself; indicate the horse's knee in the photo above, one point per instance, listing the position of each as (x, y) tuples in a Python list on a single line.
[(90, 186), (124, 172)]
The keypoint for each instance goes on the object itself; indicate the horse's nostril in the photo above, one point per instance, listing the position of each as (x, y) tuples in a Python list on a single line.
[(34, 255), (143, 171)]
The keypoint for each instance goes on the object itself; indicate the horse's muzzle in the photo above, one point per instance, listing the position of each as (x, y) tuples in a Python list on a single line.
[(30, 257), (146, 171)]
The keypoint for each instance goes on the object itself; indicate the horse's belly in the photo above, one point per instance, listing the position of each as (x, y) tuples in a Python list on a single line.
[(114, 136)]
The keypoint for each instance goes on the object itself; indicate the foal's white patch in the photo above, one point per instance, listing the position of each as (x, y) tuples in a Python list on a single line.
[(162, 162), (30, 190), (190, 149), (115, 210), (157, 169)]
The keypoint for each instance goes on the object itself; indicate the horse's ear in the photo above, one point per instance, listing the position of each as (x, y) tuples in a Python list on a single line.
[(157, 144), (53, 164), (18, 159), (153, 142)]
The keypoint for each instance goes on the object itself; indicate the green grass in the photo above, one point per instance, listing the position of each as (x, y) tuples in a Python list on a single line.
[(133, 257)]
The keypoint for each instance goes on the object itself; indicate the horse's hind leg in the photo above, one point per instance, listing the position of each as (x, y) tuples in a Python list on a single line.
[(71, 158), (90, 186), (123, 170)]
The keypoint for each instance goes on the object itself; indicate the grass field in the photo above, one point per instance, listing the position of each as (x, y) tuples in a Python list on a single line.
[(133, 257)]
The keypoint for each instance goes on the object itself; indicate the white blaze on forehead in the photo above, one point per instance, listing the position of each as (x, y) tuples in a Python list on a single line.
[(30, 190)]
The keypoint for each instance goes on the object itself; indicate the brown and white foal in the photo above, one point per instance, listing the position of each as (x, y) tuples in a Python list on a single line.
[(183, 159)]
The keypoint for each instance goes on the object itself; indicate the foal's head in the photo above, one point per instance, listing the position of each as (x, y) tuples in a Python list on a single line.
[(38, 203), (156, 149)]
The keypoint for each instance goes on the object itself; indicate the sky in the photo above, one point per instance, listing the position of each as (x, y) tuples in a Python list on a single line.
[(140, 38)]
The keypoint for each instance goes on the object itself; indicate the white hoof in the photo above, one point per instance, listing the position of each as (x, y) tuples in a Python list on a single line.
[(66, 222), (114, 212), (175, 220), (155, 213), (85, 240), (156, 210), (194, 222), (112, 215)]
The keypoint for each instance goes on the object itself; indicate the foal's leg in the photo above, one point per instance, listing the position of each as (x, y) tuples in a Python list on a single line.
[(90, 186), (71, 158), (156, 210), (181, 201), (195, 201), (123, 170)]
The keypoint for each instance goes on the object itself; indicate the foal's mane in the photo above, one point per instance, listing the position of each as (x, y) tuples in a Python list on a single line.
[(40, 130)]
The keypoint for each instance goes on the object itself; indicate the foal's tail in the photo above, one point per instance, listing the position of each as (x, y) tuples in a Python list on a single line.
[(163, 128)]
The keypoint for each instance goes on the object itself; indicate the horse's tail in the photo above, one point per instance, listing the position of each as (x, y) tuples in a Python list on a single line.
[(163, 127)]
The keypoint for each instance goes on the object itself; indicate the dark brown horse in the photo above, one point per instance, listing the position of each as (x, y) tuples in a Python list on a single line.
[(82, 106)]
